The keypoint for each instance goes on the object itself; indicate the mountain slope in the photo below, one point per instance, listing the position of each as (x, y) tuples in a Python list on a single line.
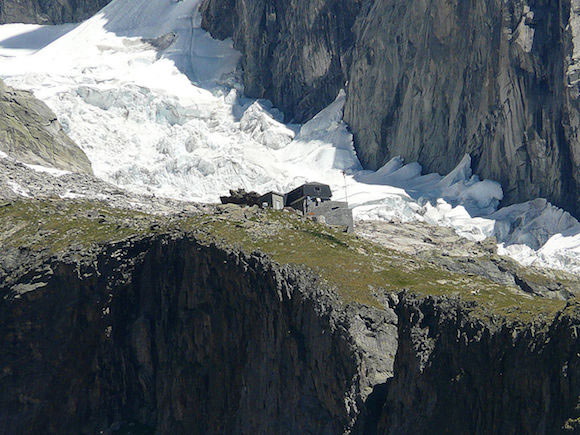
[(116, 320), (157, 105), (30, 133)]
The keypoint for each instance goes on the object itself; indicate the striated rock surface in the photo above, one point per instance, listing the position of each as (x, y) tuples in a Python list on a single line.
[(48, 11), (294, 52), (30, 133), (118, 321), (490, 78), (428, 81)]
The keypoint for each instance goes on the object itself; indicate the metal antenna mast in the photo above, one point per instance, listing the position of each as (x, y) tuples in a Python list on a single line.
[(345, 191)]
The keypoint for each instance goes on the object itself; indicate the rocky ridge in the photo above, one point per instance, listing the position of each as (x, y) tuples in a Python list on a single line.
[(121, 312), (290, 324), (428, 82), (439, 246)]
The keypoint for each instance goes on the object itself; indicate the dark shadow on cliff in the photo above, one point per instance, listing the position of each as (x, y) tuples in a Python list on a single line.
[(36, 39), (368, 421)]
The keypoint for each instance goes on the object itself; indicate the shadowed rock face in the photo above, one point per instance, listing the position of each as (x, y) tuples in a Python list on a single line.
[(173, 336), (452, 374), (185, 338), (429, 81), (30, 133), (48, 11)]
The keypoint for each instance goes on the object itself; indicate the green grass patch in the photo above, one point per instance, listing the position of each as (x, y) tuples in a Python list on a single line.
[(355, 267), (59, 225)]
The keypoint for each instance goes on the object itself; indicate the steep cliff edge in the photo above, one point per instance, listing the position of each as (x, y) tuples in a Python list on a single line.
[(429, 81), (48, 11), (31, 133), (119, 321), (466, 376), (174, 332)]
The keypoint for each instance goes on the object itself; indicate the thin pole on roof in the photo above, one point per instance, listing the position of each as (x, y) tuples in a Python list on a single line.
[(345, 191)]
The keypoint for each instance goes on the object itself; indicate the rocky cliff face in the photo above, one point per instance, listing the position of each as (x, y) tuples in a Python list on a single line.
[(48, 11), (429, 81), (180, 337), (466, 376), (295, 52), (177, 331), (30, 133)]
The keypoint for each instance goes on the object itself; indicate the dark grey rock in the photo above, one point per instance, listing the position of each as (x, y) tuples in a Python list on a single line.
[(48, 11), (496, 379), (171, 335), (295, 53), (185, 337), (435, 80), (177, 331)]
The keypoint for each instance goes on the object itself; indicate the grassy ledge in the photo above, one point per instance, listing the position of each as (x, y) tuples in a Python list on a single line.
[(355, 267)]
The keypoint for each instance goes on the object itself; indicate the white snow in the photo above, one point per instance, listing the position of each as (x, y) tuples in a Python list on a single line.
[(174, 122), (263, 128), (18, 189), (71, 195), (52, 171), (38, 168), (538, 233)]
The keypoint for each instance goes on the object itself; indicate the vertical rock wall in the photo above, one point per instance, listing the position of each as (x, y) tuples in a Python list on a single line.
[(173, 336), (295, 52), (432, 80), (180, 337), (457, 374)]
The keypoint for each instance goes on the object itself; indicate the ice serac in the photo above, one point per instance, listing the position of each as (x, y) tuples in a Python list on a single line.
[(48, 11), (429, 81), (30, 133)]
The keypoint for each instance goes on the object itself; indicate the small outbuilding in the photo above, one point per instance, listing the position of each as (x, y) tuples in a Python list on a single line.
[(274, 200), (334, 212)]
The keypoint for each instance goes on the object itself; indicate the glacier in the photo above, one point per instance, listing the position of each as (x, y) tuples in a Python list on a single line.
[(158, 107)]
